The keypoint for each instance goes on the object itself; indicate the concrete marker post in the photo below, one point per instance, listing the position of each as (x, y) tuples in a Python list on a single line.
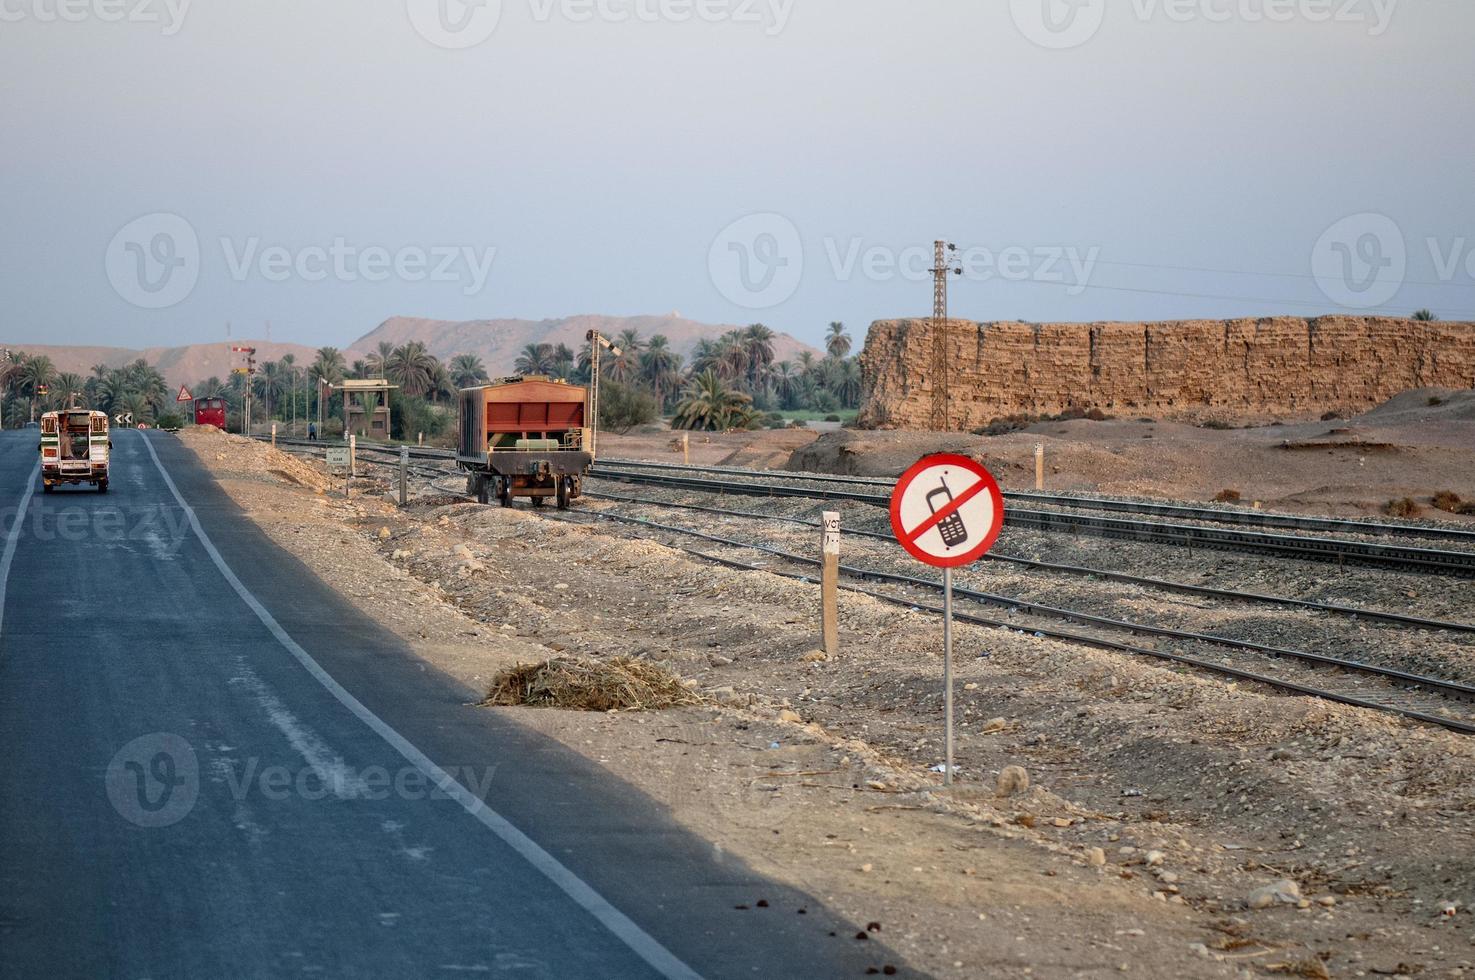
[(686, 448), (830, 584), (404, 476), (273, 435), (353, 455), (1039, 466)]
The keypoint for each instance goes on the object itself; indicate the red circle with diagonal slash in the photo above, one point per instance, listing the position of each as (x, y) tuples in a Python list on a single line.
[(941, 464)]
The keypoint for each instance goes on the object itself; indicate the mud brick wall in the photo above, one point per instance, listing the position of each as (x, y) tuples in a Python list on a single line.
[(1219, 368)]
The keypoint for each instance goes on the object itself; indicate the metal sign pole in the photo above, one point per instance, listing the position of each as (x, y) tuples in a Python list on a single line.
[(947, 669)]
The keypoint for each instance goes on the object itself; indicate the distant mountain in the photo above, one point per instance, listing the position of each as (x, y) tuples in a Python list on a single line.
[(498, 342), (179, 365)]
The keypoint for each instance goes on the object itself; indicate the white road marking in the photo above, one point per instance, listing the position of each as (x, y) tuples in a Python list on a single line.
[(640, 942), (13, 538), (332, 772)]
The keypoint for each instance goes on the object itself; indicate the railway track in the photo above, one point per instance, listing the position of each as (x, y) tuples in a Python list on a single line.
[(1416, 697), (1217, 515), (1357, 613), (1402, 557)]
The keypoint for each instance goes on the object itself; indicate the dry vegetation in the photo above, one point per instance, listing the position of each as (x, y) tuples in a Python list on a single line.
[(584, 684)]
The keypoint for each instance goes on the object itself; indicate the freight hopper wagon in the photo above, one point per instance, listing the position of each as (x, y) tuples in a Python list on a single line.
[(525, 437)]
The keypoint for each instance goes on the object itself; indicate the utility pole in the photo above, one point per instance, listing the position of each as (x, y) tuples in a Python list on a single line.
[(944, 254)]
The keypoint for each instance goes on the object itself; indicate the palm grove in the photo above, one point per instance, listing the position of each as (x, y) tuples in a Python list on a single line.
[(731, 382)]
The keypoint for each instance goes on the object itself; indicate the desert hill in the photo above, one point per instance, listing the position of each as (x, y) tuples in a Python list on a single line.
[(179, 365), (497, 342)]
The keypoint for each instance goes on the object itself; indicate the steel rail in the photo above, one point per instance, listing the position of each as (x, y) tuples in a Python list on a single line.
[(1353, 612), (1403, 558), (1249, 518)]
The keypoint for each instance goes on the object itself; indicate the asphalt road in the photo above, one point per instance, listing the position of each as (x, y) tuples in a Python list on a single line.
[(213, 766)]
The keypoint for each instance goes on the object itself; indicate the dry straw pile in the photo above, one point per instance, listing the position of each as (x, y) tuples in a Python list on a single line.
[(581, 684)]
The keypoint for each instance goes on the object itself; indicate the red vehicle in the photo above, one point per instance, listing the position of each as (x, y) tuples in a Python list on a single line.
[(210, 411)]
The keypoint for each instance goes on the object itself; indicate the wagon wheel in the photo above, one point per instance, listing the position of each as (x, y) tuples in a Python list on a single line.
[(565, 489), (504, 491), (102, 486)]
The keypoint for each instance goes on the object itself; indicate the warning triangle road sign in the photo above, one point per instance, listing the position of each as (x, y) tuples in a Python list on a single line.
[(184, 395)]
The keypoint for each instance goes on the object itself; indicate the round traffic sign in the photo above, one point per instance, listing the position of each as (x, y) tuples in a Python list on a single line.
[(947, 510)]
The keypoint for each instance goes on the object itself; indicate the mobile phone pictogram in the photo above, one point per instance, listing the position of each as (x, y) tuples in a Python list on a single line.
[(953, 531)]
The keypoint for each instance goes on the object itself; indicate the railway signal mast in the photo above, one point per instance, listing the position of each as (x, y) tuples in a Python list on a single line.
[(597, 343), (246, 366), (944, 257)]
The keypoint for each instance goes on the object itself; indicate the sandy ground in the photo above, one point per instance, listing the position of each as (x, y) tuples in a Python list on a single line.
[(1158, 801)]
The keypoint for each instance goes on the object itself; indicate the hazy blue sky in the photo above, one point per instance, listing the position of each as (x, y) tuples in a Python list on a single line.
[(597, 155)]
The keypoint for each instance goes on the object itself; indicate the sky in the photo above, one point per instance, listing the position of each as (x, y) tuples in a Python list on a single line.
[(171, 167)]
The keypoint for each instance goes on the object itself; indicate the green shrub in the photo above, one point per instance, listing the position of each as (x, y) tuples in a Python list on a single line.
[(622, 408)]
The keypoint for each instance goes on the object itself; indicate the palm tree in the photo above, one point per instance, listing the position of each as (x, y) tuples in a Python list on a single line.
[(787, 377), (704, 355), (629, 341), (441, 383), (1425, 316), (660, 366), (620, 369), (837, 341), (845, 382), (137, 405), (467, 370), (708, 403), (378, 359), (68, 388), (412, 367), (758, 341), (535, 359), (732, 356), (563, 361), (326, 369)]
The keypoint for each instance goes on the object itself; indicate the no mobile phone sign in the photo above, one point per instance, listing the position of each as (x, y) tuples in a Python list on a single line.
[(947, 511)]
